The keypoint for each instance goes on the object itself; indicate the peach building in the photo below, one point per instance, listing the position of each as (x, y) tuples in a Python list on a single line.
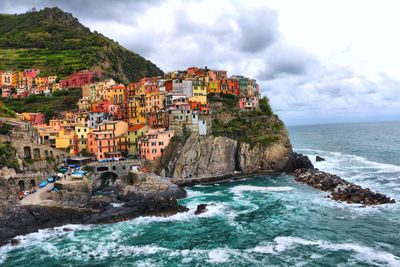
[(152, 145), (101, 142)]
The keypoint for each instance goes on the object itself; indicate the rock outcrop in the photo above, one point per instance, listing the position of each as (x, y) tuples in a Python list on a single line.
[(201, 208), (151, 195), (298, 161), (73, 194), (205, 156), (340, 189)]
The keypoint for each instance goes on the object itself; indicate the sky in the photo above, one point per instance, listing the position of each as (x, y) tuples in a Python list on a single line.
[(317, 61)]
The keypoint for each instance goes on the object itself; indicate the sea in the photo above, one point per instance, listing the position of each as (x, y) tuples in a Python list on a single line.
[(262, 221)]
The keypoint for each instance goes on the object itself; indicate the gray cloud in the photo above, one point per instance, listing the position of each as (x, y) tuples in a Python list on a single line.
[(97, 10), (259, 29), (283, 61)]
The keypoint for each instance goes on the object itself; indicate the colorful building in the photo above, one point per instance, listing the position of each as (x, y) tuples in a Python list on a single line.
[(248, 103), (100, 143), (135, 132), (80, 79), (152, 145)]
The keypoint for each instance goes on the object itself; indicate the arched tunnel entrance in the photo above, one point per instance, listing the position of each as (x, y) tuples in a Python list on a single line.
[(33, 183), (21, 185), (105, 182), (27, 152)]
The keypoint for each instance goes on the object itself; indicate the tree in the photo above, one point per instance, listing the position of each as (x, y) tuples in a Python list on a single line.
[(265, 106)]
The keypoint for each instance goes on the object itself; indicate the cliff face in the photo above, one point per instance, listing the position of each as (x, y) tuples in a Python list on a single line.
[(202, 156), (205, 156)]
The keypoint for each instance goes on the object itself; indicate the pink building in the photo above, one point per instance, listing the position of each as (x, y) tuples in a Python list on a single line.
[(101, 143), (37, 118), (248, 103), (31, 73), (154, 143), (80, 78)]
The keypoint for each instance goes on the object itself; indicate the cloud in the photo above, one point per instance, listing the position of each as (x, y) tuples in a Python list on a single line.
[(98, 10), (258, 29), (282, 61), (245, 38)]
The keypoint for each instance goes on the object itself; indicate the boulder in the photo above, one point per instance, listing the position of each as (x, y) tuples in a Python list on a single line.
[(15, 242), (319, 158), (201, 208), (298, 161)]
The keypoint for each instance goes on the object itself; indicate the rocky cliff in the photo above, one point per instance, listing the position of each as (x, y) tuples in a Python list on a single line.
[(203, 156)]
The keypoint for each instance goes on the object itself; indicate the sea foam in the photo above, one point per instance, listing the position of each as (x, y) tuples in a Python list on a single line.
[(362, 253), (243, 188)]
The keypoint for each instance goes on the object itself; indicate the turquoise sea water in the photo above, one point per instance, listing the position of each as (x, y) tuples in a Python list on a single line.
[(264, 221)]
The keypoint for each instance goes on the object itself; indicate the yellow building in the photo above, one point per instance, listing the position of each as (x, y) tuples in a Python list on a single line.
[(199, 91), (116, 94), (14, 79), (118, 127), (80, 140), (155, 101), (134, 132), (64, 139), (214, 87), (136, 110)]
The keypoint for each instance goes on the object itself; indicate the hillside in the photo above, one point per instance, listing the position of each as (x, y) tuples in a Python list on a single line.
[(49, 105), (56, 43)]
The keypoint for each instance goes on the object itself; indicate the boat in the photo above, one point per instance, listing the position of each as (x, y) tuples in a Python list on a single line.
[(43, 184)]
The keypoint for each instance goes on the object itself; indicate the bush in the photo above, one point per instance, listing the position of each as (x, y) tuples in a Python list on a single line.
[(5, 128), (265, 107), (7, 157)]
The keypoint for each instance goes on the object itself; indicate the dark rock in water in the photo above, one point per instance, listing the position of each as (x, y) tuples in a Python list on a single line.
[(341, 190), (15, 242), (319, 158), (298, 161), (67, 230), (201, 208)]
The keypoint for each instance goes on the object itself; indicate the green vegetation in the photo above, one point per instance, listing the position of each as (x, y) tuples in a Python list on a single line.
[(265, 107), (257, 130), (57, 44), (229, 102), (253, 127), (7, 157), (5, 111), (5, 128), (49, 105)]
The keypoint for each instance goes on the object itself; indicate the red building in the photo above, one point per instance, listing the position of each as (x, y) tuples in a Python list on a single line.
[(80, 78), (157, 120), (233, 87), (168, 85), (197, 106)]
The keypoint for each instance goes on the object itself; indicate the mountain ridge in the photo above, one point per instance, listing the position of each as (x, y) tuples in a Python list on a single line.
[(57, 43)]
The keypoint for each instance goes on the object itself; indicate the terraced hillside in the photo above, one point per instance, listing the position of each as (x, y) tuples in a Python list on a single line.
[(56, 43)]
